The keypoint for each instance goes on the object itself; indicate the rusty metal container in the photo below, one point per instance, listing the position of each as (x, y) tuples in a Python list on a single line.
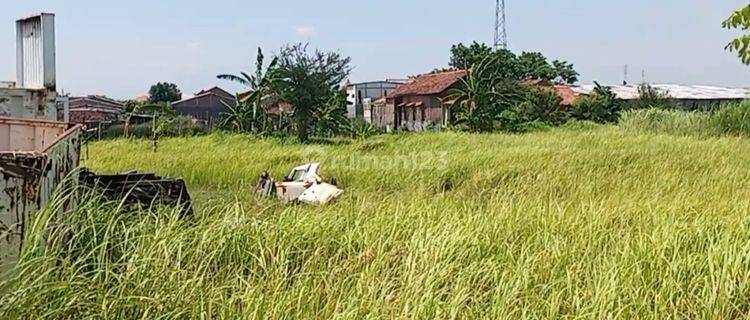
[(35, 157)]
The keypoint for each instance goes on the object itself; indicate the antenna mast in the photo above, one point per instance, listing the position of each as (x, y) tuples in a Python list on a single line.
[(501, 35)]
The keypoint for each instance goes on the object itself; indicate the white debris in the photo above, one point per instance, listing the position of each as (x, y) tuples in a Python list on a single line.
[(305, 185)]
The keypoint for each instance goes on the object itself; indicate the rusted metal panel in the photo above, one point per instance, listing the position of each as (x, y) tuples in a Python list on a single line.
[(29, 104), (31, 167)]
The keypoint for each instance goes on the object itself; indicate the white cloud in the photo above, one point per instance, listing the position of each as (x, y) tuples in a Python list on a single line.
[(194, 45), (305, 31)]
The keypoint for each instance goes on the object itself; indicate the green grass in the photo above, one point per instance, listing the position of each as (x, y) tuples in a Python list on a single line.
[(582, 222), (730, 119)]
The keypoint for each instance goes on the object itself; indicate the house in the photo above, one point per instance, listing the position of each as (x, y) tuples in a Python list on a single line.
[(207, 105), (687, 97), (357, 93), (418, 104), (94, 109)]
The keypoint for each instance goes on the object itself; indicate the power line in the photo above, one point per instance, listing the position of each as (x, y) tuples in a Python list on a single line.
[(501, 35)]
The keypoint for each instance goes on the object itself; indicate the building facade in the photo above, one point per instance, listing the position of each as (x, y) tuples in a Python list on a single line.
[(419, 104), (357, 94), (209, 106)]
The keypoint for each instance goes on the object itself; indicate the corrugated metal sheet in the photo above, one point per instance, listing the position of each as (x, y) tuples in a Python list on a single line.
[(680, 92), (36, 52), (32, 164)]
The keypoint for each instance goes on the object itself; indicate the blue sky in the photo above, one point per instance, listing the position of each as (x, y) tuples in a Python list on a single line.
[(119, 48)]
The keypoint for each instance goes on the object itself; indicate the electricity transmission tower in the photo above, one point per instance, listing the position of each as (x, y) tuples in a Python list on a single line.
[(501, 35)]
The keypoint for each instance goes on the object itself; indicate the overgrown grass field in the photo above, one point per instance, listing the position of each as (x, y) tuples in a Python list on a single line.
[(568, 223)]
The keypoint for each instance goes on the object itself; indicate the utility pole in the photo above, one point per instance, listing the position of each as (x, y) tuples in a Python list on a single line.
[(501, 35)]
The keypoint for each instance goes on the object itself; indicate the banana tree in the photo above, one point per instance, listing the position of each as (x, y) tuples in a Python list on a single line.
[(250, 112)]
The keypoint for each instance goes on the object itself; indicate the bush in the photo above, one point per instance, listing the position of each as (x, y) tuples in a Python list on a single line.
[(361, 129), (601, 106), (650, 97), (542, 105)]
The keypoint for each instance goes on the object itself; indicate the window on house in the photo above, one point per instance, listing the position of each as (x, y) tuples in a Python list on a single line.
[(359, 97)]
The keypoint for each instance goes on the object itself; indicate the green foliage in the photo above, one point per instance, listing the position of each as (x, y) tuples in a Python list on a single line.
[(331, 118), (542, 105), (534, 65), (650, 97), (481, 96), (251, 113), (602, 106), (740, 19), (176, 127), (310, 82), (564, 72), (164, 92), (361, 129), (131, 105), (730, 119), (506, 65)]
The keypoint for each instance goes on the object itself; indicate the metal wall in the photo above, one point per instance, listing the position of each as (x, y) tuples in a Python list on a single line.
[(36, 52), (27, 182), (30, 104)]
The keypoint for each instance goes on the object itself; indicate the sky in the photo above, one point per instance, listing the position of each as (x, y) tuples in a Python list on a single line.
[(120, 48)]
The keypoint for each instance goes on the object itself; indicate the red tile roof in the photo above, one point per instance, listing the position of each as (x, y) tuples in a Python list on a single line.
[(567, 94), (429, 84)]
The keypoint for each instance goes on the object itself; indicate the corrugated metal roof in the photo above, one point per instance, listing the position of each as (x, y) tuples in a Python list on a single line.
[(680, 92)]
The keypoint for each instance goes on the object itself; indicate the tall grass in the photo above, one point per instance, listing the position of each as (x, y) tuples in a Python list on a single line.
[(729, 119), (563, 223)]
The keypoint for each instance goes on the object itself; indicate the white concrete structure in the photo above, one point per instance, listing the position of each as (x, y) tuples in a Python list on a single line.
[(357, 94), (33, 95)]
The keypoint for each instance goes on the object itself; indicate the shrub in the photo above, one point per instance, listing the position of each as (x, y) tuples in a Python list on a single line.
[(362, 129), (650, 97), (601, 106), (542, 105)]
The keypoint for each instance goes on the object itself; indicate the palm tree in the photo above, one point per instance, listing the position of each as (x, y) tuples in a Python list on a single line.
[(251, 110)]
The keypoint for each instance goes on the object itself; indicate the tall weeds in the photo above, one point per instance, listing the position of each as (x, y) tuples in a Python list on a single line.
[(566, 223), (732, 119)]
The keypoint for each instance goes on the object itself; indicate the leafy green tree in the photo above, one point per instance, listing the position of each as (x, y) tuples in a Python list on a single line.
[(309, 81), (251, 113), (504, 65), (164, 92), (534, 65), (507, 65), (564, 72), (740, 19)]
